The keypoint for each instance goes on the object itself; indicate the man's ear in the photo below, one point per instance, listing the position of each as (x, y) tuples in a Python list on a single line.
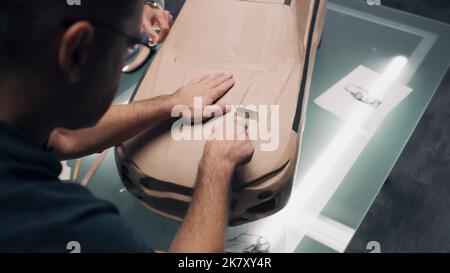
[(74, 50)]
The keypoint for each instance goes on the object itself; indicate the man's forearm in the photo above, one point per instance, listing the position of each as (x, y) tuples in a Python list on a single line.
[(204, 227), (119, 124)]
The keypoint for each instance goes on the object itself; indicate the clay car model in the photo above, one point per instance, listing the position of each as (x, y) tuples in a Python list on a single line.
[(269, 46)]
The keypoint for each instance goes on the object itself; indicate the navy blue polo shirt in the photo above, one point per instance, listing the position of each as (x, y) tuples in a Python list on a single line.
[(39, 213)]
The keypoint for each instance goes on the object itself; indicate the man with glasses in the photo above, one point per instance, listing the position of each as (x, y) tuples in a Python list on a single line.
[(59, 68)]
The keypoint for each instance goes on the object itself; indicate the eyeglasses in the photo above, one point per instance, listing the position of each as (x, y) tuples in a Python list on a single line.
[(141, 40), (138, 48)]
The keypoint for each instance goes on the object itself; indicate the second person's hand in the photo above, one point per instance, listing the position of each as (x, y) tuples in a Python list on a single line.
[(153, 19)]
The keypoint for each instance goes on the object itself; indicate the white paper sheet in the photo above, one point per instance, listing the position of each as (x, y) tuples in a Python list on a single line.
[(364, 97)]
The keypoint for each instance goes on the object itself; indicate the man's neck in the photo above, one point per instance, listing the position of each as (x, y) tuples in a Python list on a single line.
[(38, 136), (36, 133), (16, 109)]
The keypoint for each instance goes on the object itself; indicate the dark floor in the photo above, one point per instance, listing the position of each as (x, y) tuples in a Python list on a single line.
[(412, 211)]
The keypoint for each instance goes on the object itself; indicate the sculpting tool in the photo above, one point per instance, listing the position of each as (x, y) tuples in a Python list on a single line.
[(93, 168), (76, 171), (246, 113)]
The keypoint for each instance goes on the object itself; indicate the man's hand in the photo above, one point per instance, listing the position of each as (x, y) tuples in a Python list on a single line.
[(209, 87), (154, 19), (204, 227), (235, 152)]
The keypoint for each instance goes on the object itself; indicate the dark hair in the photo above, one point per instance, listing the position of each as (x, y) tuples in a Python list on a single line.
[(27, 26)]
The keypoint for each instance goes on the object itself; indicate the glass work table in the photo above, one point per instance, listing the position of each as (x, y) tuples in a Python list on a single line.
[(336, 179)]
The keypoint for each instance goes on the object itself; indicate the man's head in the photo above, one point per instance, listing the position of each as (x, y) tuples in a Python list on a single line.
[(66, 58)]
